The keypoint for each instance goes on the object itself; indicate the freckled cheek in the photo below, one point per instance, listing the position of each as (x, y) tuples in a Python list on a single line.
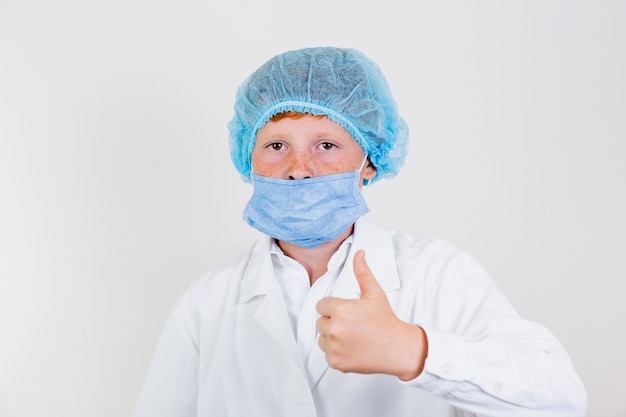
[(333, 167), (261, 168), (345, 167), (337, 168), (259, 163), (265, 168), (265, 172)]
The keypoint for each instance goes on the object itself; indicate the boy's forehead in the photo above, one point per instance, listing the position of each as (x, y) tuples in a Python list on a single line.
[(305, 123)]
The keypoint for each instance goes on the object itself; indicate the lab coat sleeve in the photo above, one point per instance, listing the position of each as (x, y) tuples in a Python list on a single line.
[(171, 386), (484, 358)]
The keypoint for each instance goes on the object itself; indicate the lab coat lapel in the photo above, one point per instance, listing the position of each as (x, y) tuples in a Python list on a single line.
[(271, 312), (376, 242), (379, 255), (271, 315)]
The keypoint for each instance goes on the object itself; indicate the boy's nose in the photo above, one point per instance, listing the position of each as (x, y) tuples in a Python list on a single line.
[(300, 167)]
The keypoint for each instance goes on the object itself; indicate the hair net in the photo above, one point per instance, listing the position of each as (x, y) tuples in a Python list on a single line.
[(342, 84)]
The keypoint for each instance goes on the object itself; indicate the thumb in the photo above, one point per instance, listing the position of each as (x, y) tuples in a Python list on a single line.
[(366, 279)]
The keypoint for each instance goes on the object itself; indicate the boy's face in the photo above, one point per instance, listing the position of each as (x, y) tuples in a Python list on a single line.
[(306, 147)]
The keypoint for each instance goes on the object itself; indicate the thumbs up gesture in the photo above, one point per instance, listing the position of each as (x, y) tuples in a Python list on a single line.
[(365, 336)]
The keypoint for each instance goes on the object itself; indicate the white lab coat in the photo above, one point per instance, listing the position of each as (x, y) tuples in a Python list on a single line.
[(228, 348)]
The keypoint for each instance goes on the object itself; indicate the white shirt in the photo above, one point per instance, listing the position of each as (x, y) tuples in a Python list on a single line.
[(301, 297), (228, 348)]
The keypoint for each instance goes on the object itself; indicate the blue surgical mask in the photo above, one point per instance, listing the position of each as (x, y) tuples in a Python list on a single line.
[(307, 212)]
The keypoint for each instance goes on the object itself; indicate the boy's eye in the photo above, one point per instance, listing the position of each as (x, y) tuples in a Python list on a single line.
[(327, 146), (276, 146)]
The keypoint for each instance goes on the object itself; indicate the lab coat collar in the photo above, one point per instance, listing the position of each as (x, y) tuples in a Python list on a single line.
[(258, 276), (375, 240)]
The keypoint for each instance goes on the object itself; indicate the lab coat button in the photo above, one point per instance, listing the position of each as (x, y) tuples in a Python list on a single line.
[(497, 387), (445, 368)]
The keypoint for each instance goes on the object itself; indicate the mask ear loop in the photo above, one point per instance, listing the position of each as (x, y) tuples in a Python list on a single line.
[(364, 186), (251, 170)]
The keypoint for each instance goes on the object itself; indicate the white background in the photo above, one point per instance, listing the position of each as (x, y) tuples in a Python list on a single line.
[(116, 188)]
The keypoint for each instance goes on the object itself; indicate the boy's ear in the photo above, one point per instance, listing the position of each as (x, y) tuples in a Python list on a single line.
[(370, 170)]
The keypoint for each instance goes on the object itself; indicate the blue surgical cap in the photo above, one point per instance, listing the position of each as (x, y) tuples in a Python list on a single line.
[(342, 84)]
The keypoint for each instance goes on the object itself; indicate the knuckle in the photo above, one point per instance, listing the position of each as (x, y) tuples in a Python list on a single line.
[(334, 362)]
